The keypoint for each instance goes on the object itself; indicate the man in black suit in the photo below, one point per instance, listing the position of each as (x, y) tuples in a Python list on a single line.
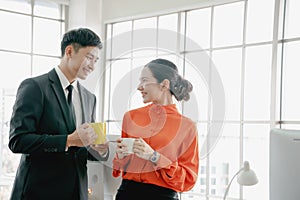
[(51, 129)]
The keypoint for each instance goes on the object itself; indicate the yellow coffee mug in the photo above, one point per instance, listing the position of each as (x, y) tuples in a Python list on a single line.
[(100, 130)]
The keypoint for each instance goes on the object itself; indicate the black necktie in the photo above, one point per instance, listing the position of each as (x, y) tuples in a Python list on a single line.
[(70, 104)]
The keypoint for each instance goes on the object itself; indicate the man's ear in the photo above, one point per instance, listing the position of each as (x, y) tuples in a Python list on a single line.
[(165, 84), (68, 51)]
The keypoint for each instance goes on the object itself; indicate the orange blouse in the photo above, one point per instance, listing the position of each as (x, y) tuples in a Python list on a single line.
[(169, 133)]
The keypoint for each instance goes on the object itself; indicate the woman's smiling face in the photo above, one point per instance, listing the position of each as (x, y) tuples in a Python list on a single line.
[(149, 87)]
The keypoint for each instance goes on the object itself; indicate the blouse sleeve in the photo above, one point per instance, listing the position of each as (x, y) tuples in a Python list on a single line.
[(119, 165), (181, 174)]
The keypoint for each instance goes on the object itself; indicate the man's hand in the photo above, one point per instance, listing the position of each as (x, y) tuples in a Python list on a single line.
[(102, 149), (84, 135)]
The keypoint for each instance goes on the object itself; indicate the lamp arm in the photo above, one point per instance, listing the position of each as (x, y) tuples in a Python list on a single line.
[(227, 189)]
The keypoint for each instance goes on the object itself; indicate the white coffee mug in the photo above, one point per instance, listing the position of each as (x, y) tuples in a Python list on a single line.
[(129, 144)]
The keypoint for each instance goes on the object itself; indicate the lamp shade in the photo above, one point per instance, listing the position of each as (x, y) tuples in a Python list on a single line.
[(247, 176)]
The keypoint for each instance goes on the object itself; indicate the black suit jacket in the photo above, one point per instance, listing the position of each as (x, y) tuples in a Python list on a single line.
[(38, 129)]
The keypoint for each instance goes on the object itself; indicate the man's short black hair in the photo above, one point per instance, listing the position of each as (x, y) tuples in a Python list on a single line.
[(81, 37)]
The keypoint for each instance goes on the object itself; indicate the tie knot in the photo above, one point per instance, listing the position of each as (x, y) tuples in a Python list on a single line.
[(70, 88)]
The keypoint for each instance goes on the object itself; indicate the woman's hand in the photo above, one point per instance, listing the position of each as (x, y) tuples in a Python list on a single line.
[(142, 149), (121, 149)]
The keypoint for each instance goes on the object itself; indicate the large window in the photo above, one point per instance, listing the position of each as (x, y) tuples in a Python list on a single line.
[(27, 48), (251, 48)]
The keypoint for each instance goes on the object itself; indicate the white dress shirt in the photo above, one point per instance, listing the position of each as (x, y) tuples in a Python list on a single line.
[(75, 94)]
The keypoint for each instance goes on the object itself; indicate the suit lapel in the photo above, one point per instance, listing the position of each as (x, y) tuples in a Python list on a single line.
[(83, 100), (61, 99)]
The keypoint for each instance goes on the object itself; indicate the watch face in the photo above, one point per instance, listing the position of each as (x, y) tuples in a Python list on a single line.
[(154, 157)]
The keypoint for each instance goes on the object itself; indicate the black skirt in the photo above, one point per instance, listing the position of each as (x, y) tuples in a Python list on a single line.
[(132, 190)]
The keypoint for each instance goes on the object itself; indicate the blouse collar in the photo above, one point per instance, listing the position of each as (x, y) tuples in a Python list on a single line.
[(169, 109)]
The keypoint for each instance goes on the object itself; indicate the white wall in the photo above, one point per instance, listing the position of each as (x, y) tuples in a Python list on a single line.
[(86, 13), (128, 9)]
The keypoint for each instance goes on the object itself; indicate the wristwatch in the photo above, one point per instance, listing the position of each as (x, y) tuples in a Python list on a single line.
[(154, 157)]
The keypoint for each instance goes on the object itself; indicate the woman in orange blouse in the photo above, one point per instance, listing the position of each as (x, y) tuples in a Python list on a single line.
[(165, 156)]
